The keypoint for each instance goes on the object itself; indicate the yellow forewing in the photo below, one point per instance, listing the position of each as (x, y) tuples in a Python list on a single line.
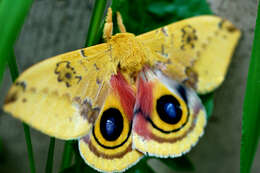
[(197, 50), (62, 95)]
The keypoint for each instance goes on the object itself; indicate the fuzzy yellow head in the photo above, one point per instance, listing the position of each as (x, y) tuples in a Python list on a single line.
[(129, 52)]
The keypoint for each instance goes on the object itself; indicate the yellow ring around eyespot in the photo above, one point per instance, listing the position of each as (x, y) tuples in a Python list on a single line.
[(175, 134), (177, 148), (112, 101), (113, 151), (159, 91)]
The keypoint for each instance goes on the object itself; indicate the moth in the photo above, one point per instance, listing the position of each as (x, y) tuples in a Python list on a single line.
[(131, 96)]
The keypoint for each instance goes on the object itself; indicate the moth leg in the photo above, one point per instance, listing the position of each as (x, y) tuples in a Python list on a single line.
[(108, 28), (120, 23)]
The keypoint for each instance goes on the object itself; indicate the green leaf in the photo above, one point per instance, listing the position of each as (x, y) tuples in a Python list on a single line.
[(142, 16), (161, 8), (12, 15), (179, 164), (2, 68), (251, 109), (208, 102)]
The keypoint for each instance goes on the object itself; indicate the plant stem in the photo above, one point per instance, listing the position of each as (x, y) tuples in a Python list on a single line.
[(95, 22), (13, 66), (67, 155), (29, 147), (49, 163), (251, 112)]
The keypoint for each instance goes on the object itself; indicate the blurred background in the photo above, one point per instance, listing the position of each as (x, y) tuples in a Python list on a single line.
[(57, 26)]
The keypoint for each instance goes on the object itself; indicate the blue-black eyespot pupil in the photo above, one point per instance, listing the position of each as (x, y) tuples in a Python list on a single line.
[(111, 124), (169, 109)]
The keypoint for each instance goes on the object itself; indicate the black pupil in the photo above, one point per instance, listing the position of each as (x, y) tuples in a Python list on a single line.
[(68, 75), (111, 124), (169, 109)]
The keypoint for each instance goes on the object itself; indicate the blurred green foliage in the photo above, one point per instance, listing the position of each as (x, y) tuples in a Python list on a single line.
[(208, 102), (12, 16), (11, 21), (251, 109), (142, 16)]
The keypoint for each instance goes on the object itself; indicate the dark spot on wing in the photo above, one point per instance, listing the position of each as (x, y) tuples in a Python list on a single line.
[(67, 74), (164, 31), (11, 98), (79, 78), (83, 53), (98, 81), (232, 29), (224, 24), (192, 79), (77, 100), (189, 37), (21, 84), (88, 112), (95, 65), (163, 51)]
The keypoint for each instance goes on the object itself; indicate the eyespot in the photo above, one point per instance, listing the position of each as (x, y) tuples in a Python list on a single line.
[(111, 124), (169, 109), (108, 148), (166, 109), (170, 112), (112, 128), (169, 117)]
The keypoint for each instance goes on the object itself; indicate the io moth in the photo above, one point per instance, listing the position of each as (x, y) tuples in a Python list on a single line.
[(130, 96)]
